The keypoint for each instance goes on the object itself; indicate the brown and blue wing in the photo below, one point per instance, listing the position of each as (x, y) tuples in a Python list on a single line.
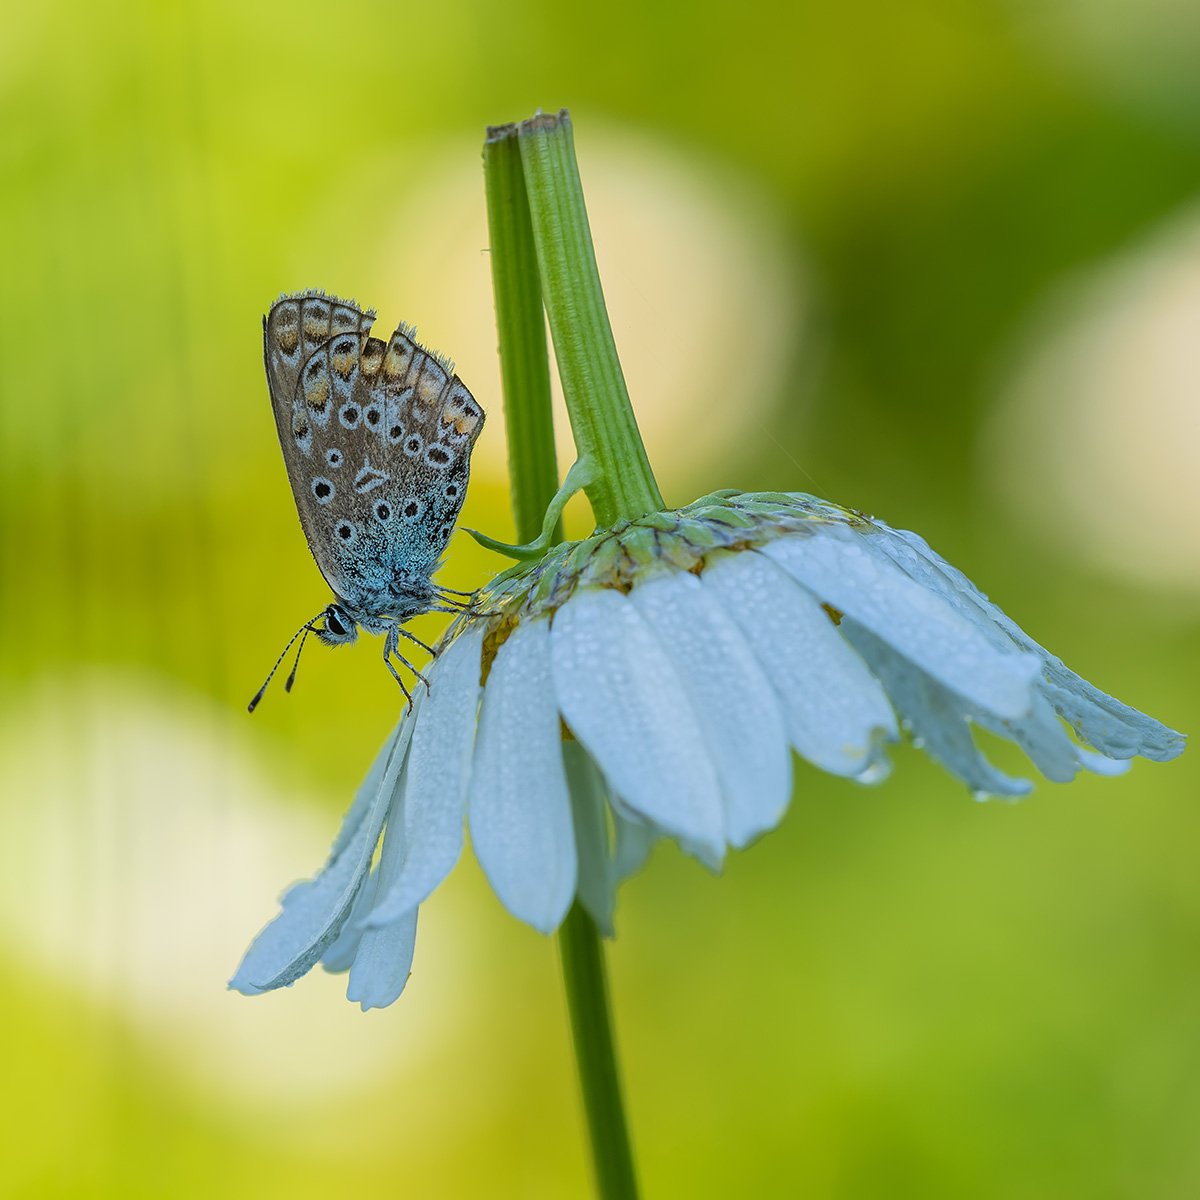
[(377, 441)]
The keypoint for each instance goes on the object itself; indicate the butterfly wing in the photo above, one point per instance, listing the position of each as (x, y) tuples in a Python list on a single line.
[(297, 328), (428, 425), (377, 440)]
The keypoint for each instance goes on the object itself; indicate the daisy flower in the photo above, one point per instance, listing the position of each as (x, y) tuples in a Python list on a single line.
[(651, 682)]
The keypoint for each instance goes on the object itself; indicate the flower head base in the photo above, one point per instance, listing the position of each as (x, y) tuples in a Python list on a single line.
[(651, 681)]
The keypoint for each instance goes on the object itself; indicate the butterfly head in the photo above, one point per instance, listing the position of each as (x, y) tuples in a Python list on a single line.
[(339, 629)]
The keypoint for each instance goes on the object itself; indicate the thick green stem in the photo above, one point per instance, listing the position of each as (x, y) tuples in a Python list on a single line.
[(521, 332), (591, 1026), (602, 419), (526, 383)]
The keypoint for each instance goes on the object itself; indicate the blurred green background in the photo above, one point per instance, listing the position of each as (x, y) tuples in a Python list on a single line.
[(940, 261)]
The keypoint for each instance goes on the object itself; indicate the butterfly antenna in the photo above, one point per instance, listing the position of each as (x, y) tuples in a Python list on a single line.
[(287, 683), (307, 626)]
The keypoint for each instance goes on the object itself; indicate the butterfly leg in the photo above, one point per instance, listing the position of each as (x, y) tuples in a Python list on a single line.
[(412, 637), (387, 662), (391, 647)]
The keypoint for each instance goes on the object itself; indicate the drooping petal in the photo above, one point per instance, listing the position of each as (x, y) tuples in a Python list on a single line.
[(834, 565), (622, 699), (383, 963), (315, 912), (519, 809), (1114, 728), (732, 699), (935, 714), (1042, 736), (365, 795), (837, 714), (434, 801), (384, 955), (597, 881), (1101, 764), (635, 840), (341, 952)]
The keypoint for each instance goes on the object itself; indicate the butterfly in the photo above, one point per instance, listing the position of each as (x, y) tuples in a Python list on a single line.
[(377, 439)]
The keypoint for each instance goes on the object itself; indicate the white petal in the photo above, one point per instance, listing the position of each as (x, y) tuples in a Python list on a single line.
[(383, 956), (519, 809), (622, 699), (366, 793), (597, 880), (1100, 764), (837, 714), (1112, 727), (732, 700), (341, 953), (383, 963), (314, 912), (1042, 736), (635, 840), (435, 791), (935, 714), (834, 565)]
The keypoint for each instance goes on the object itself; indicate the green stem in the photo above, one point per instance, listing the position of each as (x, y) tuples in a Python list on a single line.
[(602, 419), (591, 1027), (521, 330), (526, 383)]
